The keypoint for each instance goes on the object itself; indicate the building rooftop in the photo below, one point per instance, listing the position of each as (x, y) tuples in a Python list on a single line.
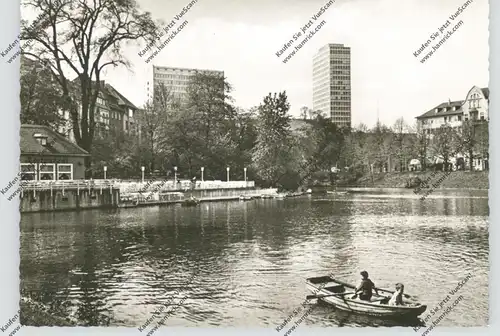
[(486, 92), (110, 93), (444, 109), (327, 47), (121, 100), (188, 69), (56, 143)]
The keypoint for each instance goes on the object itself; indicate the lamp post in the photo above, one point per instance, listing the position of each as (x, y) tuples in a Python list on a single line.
[(202, 169), (175, 174), (142, 169), (105, 170), (245, 173), (227, 170), (333, 170)]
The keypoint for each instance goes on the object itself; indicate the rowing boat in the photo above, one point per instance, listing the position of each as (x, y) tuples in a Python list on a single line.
[(190, 202), (127, 205), (340, 295)]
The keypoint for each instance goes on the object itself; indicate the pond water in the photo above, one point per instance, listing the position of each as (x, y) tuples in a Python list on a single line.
[(245, 263)]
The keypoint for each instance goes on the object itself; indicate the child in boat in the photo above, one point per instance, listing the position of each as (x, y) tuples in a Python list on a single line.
[(365, 288), (397, 297)]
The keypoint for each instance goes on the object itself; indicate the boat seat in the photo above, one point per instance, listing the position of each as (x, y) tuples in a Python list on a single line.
[(319, 280), (383, 300), (335, 289)]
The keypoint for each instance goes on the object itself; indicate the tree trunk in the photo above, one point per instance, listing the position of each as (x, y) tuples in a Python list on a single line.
[(371, 172), (87, 145), (471, 158), (152, 165)]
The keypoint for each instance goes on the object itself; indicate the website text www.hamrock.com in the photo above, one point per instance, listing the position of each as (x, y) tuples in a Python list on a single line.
[(442, 34)]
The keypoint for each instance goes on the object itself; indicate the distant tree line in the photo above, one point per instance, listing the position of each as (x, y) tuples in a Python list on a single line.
[(205, 129)]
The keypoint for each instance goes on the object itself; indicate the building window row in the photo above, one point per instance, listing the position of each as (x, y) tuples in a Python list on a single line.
[(446, 119), (339, 50), (452, 118), (339, 70), (190, 72), (175, 82), (173, 76), (338, 78), (46, 171)]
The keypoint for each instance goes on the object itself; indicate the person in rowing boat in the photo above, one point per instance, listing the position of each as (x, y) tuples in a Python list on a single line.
[(397, 297), (365, 288)]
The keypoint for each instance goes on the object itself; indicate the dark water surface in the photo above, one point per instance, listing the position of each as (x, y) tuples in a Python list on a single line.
[(244, 263)]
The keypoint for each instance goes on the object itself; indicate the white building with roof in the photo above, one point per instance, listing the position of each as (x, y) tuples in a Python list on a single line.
[(475, 108), (453, 113)]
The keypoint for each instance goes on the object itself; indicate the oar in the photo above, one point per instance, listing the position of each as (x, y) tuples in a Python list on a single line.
[(310, 297)]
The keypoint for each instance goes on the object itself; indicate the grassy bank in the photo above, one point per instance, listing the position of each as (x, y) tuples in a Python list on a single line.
[(458, 180), (36, 315)]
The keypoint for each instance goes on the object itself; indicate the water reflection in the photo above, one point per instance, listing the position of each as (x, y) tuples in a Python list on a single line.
[(115, 267)]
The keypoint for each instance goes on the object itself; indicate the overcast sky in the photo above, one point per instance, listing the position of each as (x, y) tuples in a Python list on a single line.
[(241, 38)]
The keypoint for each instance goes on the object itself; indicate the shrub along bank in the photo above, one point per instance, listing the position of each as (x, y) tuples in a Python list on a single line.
[(36, 315), (456, 179)]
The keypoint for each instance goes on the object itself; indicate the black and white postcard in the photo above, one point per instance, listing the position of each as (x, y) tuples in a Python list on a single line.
[(270, 164)]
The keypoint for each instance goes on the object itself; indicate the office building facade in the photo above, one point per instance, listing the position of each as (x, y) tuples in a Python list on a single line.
[(178, 79), (332, 83)]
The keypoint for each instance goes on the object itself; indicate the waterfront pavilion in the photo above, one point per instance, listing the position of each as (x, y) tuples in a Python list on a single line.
[(48, 156)]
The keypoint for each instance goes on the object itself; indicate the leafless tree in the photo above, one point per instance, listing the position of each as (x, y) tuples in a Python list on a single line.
[(82, 38), (400, 130), (483, 142), (304, 112), (445, 145), (153, 121), (467, 139), (421, 143)]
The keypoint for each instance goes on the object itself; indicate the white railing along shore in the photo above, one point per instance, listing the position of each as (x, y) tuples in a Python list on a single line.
[(69, 184), (185, 185), (132, 186)]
